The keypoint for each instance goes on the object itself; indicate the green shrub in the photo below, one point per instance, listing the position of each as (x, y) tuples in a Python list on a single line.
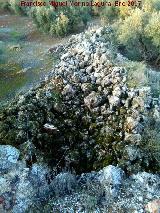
[(136, 74), (60, 21), (130, 33), (14, 5), (43, 17), (151, 144), (61, 27), (136, 29), (153, 29), (5, 6), (139, 34)]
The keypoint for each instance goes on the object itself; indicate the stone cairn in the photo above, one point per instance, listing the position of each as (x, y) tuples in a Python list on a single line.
[(83, 115)]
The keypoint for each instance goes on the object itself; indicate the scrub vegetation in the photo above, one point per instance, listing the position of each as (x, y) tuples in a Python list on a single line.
[(136, 28)]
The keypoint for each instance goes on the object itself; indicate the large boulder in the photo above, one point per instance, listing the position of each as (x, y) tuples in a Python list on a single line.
[(20, 186)]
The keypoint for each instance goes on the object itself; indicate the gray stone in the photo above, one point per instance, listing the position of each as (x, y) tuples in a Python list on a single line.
[(114, 101), (93, 100), (133, 152), (133, 138), (66, 55), (8, 157), (64, 183), (68, 89), (111, 178)]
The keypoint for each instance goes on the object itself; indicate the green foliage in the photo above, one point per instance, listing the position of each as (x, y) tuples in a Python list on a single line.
[(152, 29), (139, 33), (132, 27), (43, 17), (14, 5), (60, 21), (109, 14), (136, 30), (61, 27), (4, 5), (151, 144), (136, 74)]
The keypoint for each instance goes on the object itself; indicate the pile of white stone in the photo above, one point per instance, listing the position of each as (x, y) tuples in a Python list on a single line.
[(93, 91)]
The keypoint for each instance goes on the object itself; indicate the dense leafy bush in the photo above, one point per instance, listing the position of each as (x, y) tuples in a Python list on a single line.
[(14, 5), (60, 21), (137, 30), (139, 33)]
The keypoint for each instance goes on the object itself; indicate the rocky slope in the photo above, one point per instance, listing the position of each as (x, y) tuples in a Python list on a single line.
[(33, 189), (83, 117)]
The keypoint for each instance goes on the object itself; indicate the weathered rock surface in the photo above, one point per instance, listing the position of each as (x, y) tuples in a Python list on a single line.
[(20, 186), (92, 194), (8, 157), (111, 179), (37, 189), (153, 206)]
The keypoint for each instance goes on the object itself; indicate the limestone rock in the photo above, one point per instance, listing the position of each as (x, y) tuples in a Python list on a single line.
[(153, 206), (64, 183), (8, 157), (93, 100), (111, 179)]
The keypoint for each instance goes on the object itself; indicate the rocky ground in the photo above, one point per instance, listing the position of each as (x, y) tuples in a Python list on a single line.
[(82, 117), (33, 189)]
